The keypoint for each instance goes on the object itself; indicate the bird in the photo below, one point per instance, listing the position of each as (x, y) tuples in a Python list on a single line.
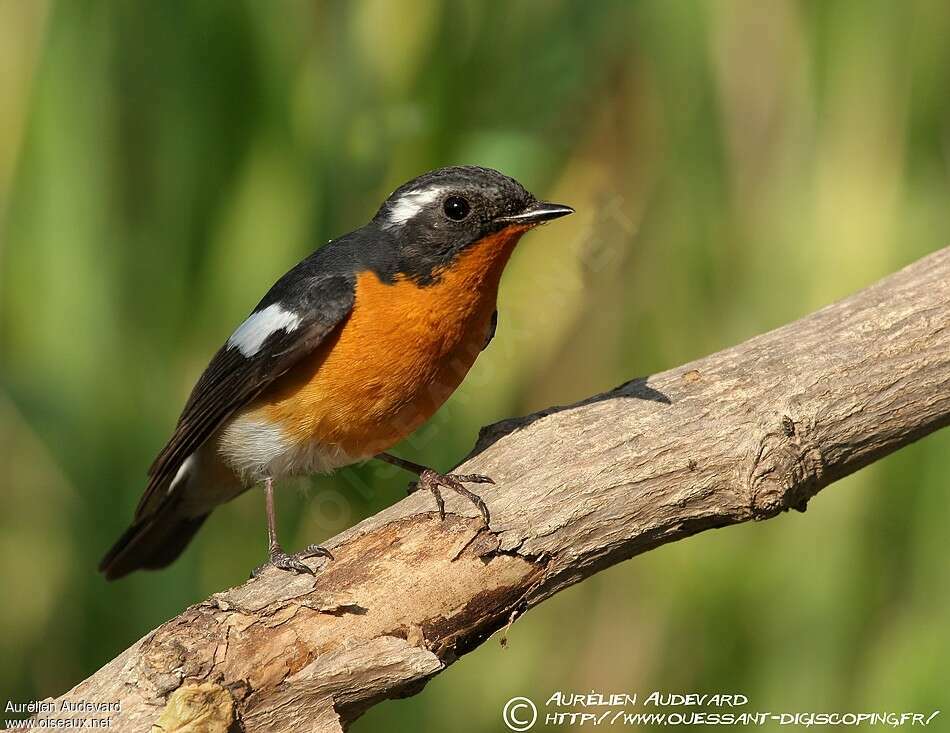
[(348, 353)]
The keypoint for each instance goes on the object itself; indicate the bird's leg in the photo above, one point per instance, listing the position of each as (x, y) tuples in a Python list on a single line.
[(431, 481), (277, 557)]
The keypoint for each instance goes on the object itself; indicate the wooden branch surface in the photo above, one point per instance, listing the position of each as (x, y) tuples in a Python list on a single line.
[(741, 435)]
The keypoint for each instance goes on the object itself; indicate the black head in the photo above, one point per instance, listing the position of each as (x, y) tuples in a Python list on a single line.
[(434, 217)]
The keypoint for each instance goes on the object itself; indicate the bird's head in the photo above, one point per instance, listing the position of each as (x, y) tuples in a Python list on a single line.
[(434, 218)]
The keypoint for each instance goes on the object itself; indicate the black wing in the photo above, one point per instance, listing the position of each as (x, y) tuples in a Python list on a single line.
[(234, 378)]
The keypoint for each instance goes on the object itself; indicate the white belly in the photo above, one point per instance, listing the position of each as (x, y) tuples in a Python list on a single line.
[(256, 450)]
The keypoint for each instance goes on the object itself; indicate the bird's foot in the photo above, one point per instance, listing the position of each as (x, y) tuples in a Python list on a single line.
[(431, 481), (292, 563)]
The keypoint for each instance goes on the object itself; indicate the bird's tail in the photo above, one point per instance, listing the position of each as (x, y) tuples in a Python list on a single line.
[(152, 542)]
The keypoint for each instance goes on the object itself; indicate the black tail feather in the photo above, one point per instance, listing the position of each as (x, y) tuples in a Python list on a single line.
[(151, 542)]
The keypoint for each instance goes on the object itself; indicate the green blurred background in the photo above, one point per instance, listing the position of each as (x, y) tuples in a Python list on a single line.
[(734, 165)]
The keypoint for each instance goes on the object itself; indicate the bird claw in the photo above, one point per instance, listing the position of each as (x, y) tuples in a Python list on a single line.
[(431, 481), (315, 551), (291, 563), (473, 478)]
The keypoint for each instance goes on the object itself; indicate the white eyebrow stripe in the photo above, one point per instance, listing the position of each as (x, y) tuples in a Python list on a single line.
[(410, 204), (251, 335)]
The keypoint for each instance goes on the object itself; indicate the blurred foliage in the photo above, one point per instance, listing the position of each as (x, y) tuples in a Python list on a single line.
[(734, 165)]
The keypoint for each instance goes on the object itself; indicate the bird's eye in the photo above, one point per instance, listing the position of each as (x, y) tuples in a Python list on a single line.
[(456, 208)]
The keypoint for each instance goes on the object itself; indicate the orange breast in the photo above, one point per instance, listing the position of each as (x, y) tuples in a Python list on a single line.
[(391, 365)]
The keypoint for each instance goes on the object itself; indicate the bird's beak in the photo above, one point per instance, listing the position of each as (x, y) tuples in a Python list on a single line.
[(537, 213)]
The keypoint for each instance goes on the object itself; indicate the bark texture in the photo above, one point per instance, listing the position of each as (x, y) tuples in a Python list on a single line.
[(741, 435)]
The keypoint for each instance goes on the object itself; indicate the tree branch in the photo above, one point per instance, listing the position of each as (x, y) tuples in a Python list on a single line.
[(740, 435)]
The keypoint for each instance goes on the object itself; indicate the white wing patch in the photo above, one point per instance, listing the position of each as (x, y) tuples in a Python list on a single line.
[(184, 473), (251, 335), (410, 204)]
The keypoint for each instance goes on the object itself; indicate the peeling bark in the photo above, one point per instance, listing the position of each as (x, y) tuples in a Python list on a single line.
[(741, 435)]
